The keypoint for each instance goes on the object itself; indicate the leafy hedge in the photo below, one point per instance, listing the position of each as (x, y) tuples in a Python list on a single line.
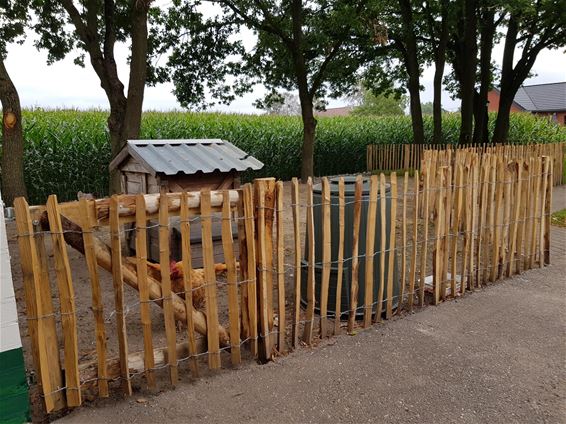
[(68, 151)]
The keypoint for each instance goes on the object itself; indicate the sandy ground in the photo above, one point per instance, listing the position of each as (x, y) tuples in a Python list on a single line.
[(496, 356), (312, 385)]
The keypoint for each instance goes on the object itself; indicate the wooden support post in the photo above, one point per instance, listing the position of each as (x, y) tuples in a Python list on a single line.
[(188, 284), (426, 216), (547, 212), (251, 261), (97, 304), (499, 188), (245, 330), (383, 246), (438, 253), (209, 282), (341, 205), (370, 244), (517, 203), (544, 210), (309, 322), (403, 242), (281, 342), (326, 249), (295, 199), (118, 283)]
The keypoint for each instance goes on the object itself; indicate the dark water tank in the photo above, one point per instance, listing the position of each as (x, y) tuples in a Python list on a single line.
[(349, 192)]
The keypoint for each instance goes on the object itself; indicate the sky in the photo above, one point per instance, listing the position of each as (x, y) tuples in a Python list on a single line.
[(66, 85)]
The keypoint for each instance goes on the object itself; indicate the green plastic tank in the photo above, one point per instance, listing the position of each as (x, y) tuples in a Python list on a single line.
[(349, 192)]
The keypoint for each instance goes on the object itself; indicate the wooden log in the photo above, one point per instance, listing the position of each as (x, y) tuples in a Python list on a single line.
[(341, 206), (438, 254), (118, 284), (281, 342), (251, 259), (244, 279), (370, 244), (404, 242), (97, 304), (354, 287), (326, 248), (210, 283), (426, 215), (188, 285), (232, 282), (297, 271)]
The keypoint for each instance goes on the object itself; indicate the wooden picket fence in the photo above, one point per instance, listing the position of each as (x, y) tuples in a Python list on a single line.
[(463, 221), (393, 157)]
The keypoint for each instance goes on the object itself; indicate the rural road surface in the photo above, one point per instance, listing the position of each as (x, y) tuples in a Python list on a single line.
[(497, 355)]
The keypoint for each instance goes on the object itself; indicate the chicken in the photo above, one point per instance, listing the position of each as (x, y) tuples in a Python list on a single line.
[(177, 283)]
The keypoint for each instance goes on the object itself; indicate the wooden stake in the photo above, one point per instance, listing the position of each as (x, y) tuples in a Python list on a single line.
[(426, 215), (188, 284), (413, 272), (307, 332), (370, 243), (232, 281), (391, 255), (355, 259), (252, 279), (118, 282), (383, 212), (326, 248), (404, 243), (295, 199), (209, 281), (281, 343), (341, 205)]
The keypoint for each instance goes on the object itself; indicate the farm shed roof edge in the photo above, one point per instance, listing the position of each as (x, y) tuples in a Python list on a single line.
[(187, 156)]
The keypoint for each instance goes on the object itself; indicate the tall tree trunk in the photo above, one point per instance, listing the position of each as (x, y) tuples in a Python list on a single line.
[(309, 132), (413, 70), (439, 63), (468, 71), (13, 184), (481, 116)]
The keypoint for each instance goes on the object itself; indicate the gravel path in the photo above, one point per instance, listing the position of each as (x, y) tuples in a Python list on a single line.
[(497, 355)]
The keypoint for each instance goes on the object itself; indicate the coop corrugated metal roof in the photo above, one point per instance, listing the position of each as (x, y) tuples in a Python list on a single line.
[(189, 156)]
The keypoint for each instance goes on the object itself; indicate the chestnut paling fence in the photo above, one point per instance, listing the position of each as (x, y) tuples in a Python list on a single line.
[(466, 219), (392, 157)]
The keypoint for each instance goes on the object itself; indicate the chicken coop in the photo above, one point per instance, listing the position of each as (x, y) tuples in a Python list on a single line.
[(180, 165)]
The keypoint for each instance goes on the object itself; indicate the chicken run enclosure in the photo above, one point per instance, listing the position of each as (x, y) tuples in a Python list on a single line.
[(467, 218)]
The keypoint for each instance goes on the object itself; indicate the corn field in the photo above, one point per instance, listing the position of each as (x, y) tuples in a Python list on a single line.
[(68, 150)]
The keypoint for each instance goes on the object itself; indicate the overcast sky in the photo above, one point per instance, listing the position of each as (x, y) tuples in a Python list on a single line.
[(65, 85)]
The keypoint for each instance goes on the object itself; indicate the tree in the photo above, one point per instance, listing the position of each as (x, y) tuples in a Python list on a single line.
[(532, 26), (93, 27), (285, 103), (13, 18), (370, 104), (315, 48)]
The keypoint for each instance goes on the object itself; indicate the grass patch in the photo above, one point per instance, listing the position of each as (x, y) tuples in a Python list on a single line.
[(559, 218)]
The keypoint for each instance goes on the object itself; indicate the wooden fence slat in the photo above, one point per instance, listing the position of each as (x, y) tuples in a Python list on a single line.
[(341, 206), (547, 212), (251, 260), (484, 169), (517, 203), (164, 263), (97, 304), (414, 252), (295, 199), (499, 188), (404, 242), (263, 267), (474, 211), (231, 279), (309, 317), (392, 251), (537, 178), (370, 245), (326, 249), (37, 325), (281, 339), (543, 208), (508, 177), (67, 304), (438, 254), (383, 245), (459, 198), (446, 232), (186, 260), (210, 282), (426, 215), (243, 257), (354, 286), (519, 264)]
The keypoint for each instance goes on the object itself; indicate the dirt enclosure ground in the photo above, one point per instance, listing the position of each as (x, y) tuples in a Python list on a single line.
[(85, 321)]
